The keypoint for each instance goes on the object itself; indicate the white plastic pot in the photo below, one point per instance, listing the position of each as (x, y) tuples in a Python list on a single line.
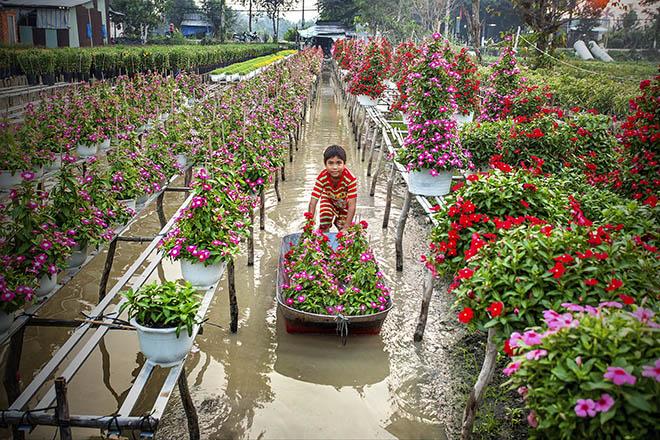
[(6, 320), (390, 84), (105, 145), (46, 284), (163, 117), (128, 203), (200, 275), (9, 179), (85, 150), (366, 100), (56, 163), (181, 160), (462, 119), (78, 257), (422, 182), (161, 345)]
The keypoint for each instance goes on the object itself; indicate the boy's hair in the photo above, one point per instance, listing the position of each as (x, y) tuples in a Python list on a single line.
[(334, 151)]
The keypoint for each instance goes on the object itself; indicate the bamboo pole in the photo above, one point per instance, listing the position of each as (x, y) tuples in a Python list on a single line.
[(424, 312), (233, 303), (399, 230)]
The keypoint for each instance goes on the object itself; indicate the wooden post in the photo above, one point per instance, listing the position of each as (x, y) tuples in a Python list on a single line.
[(10, 381), (233, 303), (262, 209), (188, 178), (376, 173), (424, 312), (250, 258), (477, 393), (62, 409), (188, 406), (291, 149), (109, 259), (374, 142), (159, 208), (388, 197), (399, 230), (367, 131), (277, 186)]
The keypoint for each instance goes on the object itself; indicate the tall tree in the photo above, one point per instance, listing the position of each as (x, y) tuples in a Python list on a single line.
[(176, 9), (475, 26), (339, 10), (215, 12), (273, 9), (546, 17), (249, 5), (139, 15)]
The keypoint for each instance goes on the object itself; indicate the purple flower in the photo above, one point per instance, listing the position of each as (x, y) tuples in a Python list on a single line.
[(612, 304), (643, 315), (619, 376), (27, 176), (652, 371), (604, 403), (585, 407)]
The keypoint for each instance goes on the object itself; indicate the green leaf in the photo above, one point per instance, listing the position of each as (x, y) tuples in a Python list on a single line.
[(638, 401)]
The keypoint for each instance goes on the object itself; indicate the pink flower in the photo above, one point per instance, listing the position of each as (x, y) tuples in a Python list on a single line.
[(175, 251), (536, 354), (27, 175), (619, 376), (643, 315), (289, 301), (46, 245), (511, 368), (652, 371), (530, 338), (531, 419), (585, 407), (301, 298), (523, 391), (612, 304), (604, 403), (514, 339)]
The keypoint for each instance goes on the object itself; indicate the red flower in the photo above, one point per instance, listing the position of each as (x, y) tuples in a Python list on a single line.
[(507, 348), (364, 224), (466, 315), (435, 208), (626, 299), (495, 308), (614, 284), (529, 186), (524, 203), (558, 270), (565, 259), (465, 273), (546, 230), (591, 282), (309, 215), (473, 177), (458, 186), (644, 84)]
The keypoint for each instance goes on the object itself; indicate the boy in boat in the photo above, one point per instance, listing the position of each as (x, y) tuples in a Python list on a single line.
[(336, 190)]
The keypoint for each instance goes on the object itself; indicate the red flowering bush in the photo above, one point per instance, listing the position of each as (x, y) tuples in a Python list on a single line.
[(501, 85), (590, 372), (374, 65), (467, 83), (405, 57), (533, 268)]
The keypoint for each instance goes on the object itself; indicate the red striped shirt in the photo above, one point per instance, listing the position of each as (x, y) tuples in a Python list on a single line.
[(345, 189)]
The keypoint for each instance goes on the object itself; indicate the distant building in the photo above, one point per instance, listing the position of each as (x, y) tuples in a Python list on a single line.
[(54, 23), (196, 25), (324, 34)]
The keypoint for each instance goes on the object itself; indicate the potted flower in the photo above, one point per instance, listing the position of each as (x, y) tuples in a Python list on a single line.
[(16, 289), (165, 317), (125, 176), (14, 160), (367, 81), (88, 131), (432, 150), (467, 87), (209, 231)]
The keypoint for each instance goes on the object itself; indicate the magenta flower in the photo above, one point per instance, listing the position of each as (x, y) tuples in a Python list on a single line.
[(514, 339), (585, 408), (175, 251), (27, 175), (536, 354), (530, 338), (652, 371), (619, 376), (531, 419), (511, 368), (604, 403), (46, 245), (301, 298), (611, 304), (289, 301)]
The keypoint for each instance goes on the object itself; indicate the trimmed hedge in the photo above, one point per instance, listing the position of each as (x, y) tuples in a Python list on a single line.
[(115, 60)]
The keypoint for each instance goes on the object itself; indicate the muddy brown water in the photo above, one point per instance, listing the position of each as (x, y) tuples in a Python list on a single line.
[(263, 382)]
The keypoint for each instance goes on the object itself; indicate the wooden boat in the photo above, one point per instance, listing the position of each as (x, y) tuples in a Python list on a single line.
[(298, 321)]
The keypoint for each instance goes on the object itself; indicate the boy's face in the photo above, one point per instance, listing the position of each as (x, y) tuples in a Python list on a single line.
[(334, 166)]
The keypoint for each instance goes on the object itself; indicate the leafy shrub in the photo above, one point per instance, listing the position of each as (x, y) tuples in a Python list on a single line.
[(590, 375)]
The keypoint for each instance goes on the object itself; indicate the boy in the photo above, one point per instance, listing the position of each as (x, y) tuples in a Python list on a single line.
[(336, 188)]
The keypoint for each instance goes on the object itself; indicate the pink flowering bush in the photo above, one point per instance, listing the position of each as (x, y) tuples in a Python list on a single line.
[(590, 372), (210, 229), (323, 280), (432, 141)]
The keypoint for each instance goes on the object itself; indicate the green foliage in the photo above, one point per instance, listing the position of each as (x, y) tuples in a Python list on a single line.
[(248, 66), (577, 360), (166, 305)]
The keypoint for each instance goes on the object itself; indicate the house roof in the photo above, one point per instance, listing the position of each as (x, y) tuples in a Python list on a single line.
[(44, 3), (325, 29)]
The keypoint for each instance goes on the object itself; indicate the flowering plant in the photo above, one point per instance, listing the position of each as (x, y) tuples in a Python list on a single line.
[(467, 83), (14, 156), (432, 142), (405, 57), (589, 373), (539, 267), (373, 68), (502, 84), (323, 280), (209, 231), (125, 177)]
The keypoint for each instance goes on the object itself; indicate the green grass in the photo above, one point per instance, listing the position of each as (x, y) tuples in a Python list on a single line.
[(248, 66)]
